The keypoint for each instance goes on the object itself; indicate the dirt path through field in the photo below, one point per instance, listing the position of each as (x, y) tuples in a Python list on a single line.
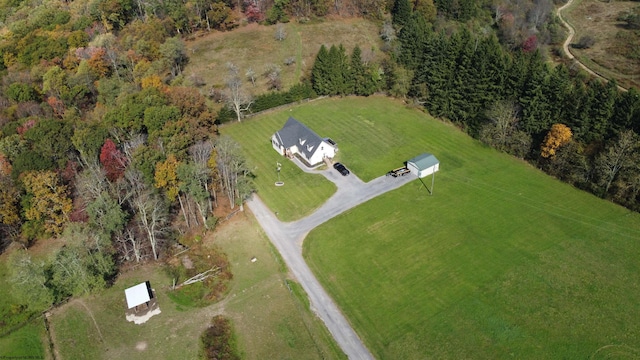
[(288, 238), (567, 43)]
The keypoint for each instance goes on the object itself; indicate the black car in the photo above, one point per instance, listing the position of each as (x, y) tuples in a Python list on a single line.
[(341, 169)]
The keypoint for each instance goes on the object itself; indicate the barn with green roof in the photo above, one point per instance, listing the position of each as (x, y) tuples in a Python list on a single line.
[(423, 165)]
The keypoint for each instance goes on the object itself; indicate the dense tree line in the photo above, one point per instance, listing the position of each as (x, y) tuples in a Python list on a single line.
[(512, 99), (334, 73), (103, 142)]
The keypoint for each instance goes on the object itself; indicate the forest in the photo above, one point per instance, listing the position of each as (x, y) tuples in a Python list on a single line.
[(103, 137)]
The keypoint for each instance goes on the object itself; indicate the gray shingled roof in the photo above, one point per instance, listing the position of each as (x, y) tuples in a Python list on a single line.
[(296, 133)]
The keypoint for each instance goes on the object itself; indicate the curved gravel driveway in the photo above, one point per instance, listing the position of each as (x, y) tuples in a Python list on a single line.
[(288, 237), (567, 43)]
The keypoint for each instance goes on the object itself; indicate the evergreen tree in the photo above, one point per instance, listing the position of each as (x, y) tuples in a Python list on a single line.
[(439, 70), (345, 81), (414, 38), (401, 12), (578, 109), (339, 77), (320, 73), (515, 77), (361, 76), (626, 113), (536, 115), (559, 88), (463, 94), (605, 97)]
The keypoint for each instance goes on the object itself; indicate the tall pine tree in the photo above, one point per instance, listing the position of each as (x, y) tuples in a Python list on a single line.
[(321, 72), (401, 12)]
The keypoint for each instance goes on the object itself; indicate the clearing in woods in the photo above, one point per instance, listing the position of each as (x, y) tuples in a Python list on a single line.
[(598, 19), (254, 46), (523, 265), (269, 319)]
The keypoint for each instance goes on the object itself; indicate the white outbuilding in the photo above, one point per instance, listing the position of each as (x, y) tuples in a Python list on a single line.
[(141, 303), (423, 165)]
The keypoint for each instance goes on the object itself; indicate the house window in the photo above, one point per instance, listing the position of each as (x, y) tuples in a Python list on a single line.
[(302, 141), (309, 148)]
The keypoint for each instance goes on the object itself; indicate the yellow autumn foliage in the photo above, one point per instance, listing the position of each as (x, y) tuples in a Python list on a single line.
[(166, 177), (49, 200), (559, 135)]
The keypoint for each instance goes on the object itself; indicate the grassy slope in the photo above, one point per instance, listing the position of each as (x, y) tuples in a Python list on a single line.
[(301, 193), (501, 261), (24, 343), (25, 338), (269, 322), (255, 46), (598, 20), (335, 118)]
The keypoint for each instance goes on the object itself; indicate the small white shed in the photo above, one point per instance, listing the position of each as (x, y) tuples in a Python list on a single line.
[(141, 303), (138, 295), (423, 165)]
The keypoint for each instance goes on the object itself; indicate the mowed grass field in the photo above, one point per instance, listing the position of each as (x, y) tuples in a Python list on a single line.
[(501, 262), (598, 19), (369, 133), (268, 319), (254, 46)]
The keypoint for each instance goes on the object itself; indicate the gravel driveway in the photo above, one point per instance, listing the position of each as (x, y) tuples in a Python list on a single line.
[(288, 237)]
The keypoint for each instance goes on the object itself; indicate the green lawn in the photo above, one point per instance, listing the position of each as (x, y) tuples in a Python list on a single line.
[(360, 126), (268, 319), (19, 336), (502, 261), (25, 342), (301, 193)]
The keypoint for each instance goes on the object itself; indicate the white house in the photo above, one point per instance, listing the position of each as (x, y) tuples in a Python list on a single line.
[(423, 165), (295, 138)]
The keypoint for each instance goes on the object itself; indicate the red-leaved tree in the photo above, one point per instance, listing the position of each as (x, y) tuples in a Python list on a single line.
[(530, 44), (112, 160), (253, 13)]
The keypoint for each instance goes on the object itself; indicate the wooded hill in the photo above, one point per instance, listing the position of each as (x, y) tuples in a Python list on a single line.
[(103, 137)]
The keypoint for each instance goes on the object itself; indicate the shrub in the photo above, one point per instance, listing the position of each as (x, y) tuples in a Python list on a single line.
[(585, 42), (218, 342)]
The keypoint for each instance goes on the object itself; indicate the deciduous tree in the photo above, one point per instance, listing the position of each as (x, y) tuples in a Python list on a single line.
[(236, 96), (559, 135), (48, 201), (112, 160), (235, 175), (151, 212), (618, 155), (28, 280), (502, 131)]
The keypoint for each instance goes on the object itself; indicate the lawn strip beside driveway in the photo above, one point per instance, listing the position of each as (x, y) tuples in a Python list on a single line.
[(288, 238)]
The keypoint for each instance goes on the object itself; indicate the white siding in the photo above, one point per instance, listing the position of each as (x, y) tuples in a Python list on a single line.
[(429, 171), (425, 172), (324, 150)]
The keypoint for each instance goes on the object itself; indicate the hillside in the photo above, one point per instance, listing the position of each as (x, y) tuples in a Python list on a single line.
[(256, 47), (111, 113), (615, 50), (519, 263)]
